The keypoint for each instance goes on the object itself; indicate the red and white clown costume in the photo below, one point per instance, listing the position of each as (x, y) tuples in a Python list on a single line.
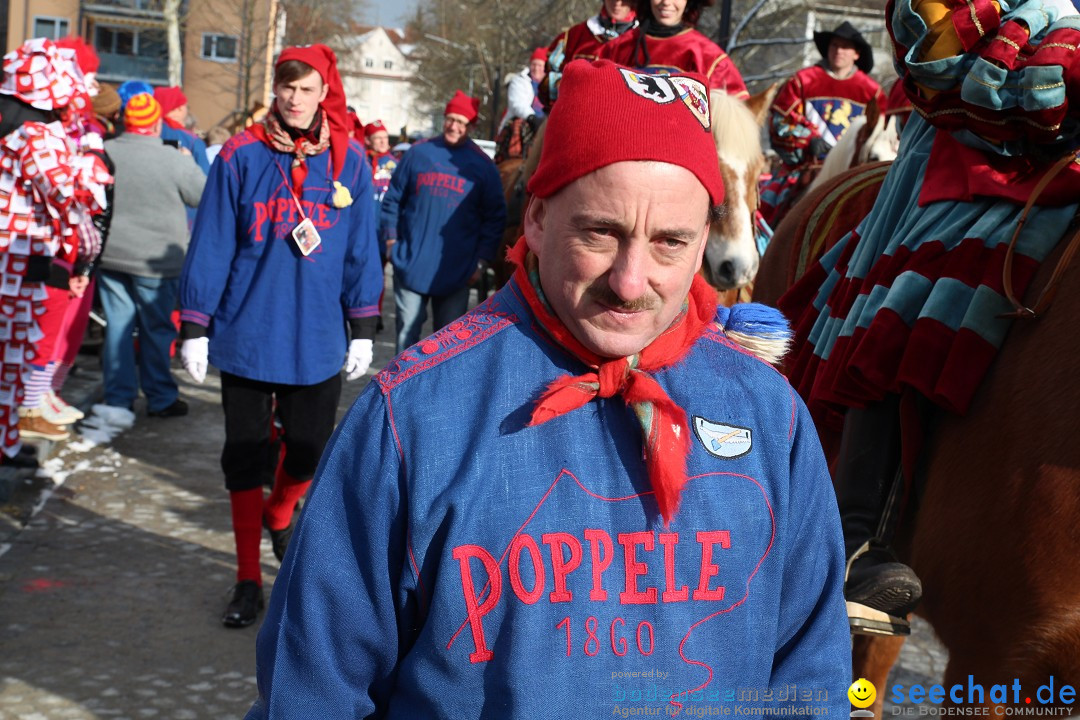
[(48, 193)]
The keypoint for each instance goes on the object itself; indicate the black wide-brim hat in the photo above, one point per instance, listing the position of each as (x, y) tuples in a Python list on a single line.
[(846, 31)]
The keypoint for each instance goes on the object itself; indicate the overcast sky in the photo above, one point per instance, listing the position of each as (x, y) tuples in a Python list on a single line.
[(390, 13)]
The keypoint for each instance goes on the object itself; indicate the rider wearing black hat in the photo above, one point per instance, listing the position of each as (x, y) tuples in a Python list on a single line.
[(815, 107)]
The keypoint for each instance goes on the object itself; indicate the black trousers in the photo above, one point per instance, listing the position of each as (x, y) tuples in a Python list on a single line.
[(306, 413)]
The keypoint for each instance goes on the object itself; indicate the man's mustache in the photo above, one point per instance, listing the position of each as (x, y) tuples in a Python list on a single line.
[(604, 295)]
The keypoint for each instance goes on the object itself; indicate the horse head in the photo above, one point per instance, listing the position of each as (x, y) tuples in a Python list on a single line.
[(878, 139), (731, 255)]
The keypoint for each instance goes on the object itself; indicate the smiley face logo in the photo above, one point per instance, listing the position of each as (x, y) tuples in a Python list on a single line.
[(862, 693)]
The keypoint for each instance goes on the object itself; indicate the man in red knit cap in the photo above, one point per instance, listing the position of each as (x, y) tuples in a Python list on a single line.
[(588, 475), (442, 217), (280, 288)]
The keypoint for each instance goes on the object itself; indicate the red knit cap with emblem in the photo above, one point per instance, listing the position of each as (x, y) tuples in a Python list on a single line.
[(324, 61), (463, 105), (640, 117)]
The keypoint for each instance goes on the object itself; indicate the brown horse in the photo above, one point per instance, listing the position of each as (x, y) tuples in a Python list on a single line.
[(995, 539)]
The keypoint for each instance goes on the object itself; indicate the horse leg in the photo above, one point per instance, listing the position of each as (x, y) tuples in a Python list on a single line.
[(872, 657)]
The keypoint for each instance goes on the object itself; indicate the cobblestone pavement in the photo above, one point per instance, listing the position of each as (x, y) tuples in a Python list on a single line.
[(111, 595)]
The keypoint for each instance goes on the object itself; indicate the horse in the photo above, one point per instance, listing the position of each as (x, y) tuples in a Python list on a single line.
[(994, 539), (731, 251)]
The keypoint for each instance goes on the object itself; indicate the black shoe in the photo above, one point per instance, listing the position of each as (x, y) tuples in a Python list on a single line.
[(878, 581), (245, 605), (25, 459), (177, 409), (280, 539)]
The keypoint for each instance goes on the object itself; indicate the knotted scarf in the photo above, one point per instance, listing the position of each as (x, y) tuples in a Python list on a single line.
[(664, 430), (272, 132)]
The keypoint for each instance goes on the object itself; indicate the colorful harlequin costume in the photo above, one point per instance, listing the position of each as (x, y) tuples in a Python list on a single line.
[(514, 549), (912, 300), (815, 103), (49, 192)]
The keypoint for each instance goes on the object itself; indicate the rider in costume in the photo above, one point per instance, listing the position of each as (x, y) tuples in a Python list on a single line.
[(584, 40), (666, 41), (910, 305), (814, 109)]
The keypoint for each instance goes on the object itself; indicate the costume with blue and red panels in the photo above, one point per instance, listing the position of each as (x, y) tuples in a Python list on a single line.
[(686, 51), (813, 103), (445, 208), (453, 561), (242, 257)]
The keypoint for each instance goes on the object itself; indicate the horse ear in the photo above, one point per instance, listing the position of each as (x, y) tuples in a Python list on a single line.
[(759, 104), (872, 112)]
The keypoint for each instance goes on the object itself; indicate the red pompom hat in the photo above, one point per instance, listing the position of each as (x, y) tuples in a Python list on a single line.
[(324, 61), (85, 56), (463, 105), (607, 114), (375, 127)]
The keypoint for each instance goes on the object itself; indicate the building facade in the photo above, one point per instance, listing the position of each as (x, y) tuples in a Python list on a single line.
[(378, 75), (227, 47)]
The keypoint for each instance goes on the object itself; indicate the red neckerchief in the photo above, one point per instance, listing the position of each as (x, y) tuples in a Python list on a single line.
[(271, 132), (172, 123), (665, 433)]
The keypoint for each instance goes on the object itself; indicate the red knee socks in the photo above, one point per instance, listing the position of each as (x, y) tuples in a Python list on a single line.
[(283, 498), (247, 512)]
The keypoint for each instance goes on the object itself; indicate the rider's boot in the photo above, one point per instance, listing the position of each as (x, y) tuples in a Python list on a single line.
[(865, 473)]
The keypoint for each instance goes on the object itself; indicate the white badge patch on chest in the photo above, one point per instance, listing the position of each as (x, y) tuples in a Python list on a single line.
[(723, 441)]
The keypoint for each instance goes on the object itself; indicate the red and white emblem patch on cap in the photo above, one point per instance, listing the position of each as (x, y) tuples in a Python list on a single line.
[(650, 87), (662, 89), (695, 96)]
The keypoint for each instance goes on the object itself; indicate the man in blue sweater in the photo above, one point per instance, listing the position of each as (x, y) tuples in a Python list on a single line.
[(587, 497), (442, 218), (281, 285)]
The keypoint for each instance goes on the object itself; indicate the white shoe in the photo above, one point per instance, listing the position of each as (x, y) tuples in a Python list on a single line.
[(118, 417), (53, 406)]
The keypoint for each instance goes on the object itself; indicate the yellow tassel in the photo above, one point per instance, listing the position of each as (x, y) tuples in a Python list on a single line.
[(342, 197)]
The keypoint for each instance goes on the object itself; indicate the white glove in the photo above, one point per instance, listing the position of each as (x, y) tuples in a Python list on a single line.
[(357, 363), (195, 356)]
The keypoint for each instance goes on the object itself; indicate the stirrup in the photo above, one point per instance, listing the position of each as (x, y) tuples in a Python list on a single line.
[(865, 620)]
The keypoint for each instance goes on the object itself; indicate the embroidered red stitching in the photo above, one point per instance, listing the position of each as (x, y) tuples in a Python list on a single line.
[(457, 337)]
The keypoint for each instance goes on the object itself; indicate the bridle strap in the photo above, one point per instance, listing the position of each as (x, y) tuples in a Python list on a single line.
[(1021, 311)]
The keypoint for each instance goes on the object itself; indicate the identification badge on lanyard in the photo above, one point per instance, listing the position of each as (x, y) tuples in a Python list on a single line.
[(306, 236)]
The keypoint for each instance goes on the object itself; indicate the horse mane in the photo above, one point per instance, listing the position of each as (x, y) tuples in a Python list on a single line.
[(735, 131)]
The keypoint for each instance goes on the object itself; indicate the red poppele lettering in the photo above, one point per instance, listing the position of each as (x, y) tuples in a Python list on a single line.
[(631, 595), (708, 568), (598, 539), (476, 609), (669, 541), (526, 542), (560, 566)]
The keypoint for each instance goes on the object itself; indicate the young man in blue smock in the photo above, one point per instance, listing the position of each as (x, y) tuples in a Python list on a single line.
[(280, 287)]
